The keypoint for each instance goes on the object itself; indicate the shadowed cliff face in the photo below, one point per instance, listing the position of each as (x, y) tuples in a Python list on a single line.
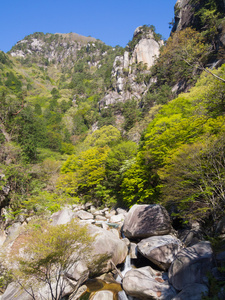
[(185, 12)]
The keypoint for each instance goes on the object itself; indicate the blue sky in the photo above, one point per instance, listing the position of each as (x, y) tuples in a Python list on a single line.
[(113, 22)]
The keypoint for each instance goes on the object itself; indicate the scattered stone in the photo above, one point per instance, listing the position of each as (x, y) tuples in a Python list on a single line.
[(117, 218), (133, 251), (105, 226)]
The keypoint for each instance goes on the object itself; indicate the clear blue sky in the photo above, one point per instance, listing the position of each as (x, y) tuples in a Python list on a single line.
[(113, 22)]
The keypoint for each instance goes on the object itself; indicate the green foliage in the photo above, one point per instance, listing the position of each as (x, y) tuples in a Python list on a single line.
[(139, 183), (195, 182), (55, 93), (4, 59), (45, 202), (106, 135), (13, 83), (119, 155), (81, 174), (184, 51), (50, 253)]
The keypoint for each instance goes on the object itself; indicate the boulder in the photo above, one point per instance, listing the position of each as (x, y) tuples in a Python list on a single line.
[(117, 218), (145, 283), (14, 292), (62, 217), (161, 250), (84, 215), (102, 295), (133, 251), (193, 291), (100, 218), (41, 291), (191, 265), (143, 221), (107, 243)]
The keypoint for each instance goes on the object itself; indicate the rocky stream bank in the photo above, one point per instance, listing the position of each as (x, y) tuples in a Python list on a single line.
[(147, 257)]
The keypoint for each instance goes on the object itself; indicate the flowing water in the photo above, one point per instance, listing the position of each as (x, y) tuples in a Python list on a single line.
[(127, 266)]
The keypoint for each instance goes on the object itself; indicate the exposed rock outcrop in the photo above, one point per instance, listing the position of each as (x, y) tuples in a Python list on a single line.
[(57, 48), (124, 72)]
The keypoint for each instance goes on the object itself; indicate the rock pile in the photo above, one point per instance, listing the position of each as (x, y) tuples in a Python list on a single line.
[(171, 271)]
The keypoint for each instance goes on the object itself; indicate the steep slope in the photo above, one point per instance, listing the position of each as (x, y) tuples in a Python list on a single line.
[(51, 48)]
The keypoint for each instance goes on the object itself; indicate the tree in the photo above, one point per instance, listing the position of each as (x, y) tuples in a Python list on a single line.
[(194, 180), (49, 254), (185, 52), (82, 173)]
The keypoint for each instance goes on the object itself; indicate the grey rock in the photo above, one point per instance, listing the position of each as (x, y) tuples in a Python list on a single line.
[(143, 221), (191, 265), (62, 217), (146, 52), (117, 218), (84, 215), (107, 243), (102, 295), (193, 291), (100, 218), (145, 283), (14, 292), (121, 211), (161, 250), (133, 251)]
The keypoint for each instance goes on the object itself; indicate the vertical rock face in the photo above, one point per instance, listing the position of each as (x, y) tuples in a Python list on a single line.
[(147, 49), (144, 51), (183, 14)]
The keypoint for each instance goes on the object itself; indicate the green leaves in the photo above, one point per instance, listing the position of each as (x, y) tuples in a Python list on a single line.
[(49, 253)]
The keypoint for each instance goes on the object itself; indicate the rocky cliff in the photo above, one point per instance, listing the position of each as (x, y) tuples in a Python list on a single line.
[(130, 68), (52, 48), (186, 12)]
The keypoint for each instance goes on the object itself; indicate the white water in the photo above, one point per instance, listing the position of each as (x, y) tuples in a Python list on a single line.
[(127, 267)]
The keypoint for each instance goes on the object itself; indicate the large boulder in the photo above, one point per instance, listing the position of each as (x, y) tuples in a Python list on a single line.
[(161, 250), (63, 216), (191, 265), (109, 245), (145, 283), (102, 295), (192, 292), (84, 215), (143, 221)]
